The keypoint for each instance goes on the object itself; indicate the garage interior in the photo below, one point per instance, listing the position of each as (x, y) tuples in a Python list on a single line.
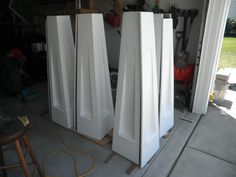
[(197, 145)]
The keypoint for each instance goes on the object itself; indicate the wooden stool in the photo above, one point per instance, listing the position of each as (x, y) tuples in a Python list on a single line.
[(11, 132)]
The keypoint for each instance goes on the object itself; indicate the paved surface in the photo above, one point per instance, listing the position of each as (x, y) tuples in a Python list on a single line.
[(51, 143), (194, 163), (165, 160), (209, 152), (216, 135)]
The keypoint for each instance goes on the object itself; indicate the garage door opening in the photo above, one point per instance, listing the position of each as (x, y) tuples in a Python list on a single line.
[(224, 91)]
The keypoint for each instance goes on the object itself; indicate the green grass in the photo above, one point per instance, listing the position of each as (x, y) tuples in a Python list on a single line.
[(228, 53)]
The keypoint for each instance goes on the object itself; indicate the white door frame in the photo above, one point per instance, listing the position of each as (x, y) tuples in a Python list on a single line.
[(212, 41)]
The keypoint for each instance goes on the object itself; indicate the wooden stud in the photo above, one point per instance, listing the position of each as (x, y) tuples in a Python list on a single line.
[(167, 135), (131, 168), (117, 7), (101, 142), (109, 157)]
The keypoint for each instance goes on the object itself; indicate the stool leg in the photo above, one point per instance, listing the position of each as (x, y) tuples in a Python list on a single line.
[(21, 157), (3, 172), (32, 155)]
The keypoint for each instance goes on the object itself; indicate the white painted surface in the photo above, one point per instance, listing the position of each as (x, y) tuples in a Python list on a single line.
[(126, 136), (231, 72), (211, 47), (166, 78), (149, 89), (136, 133), (61, 56), (95, 113)]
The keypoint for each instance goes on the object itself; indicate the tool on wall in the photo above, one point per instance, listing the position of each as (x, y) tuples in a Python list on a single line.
[(182, 57), (186, 16), (16, 12), (181, 74), (178, 35), (192, 14), (174, 13), (183, 71)]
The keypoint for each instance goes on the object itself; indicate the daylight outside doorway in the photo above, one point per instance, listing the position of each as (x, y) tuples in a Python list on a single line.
[(224, 92)]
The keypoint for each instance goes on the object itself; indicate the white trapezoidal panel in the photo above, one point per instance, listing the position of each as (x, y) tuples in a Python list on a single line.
[(61, 61), (136, 133), (166, 77), (95, 114), (149, 90)]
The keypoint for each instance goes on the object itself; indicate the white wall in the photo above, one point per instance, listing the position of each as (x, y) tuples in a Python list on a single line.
[(112, 36)]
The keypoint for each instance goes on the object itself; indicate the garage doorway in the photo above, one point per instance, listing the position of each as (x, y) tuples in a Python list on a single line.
[(224, 91)]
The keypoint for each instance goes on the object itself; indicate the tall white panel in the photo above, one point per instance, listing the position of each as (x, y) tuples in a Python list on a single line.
[(61, 61), (95, 114), (136, 132), (165, 27), (149, 90)]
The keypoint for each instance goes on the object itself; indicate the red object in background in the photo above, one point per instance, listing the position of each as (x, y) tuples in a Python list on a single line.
[(113, 19), (16, 53), (183, 74)]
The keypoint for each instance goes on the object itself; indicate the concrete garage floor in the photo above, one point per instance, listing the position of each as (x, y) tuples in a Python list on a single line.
[(206, 147), (211, 151)]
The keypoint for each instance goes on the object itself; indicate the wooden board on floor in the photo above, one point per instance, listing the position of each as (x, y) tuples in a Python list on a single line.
[(107, 138), (46, 115), (174, 145)]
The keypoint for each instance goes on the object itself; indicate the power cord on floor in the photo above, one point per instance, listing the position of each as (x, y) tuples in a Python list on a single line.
[(59, 151), (69, 151)]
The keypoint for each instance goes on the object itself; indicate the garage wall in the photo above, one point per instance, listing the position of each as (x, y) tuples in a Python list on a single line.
[(112, 35), (113, 38), (194, 36)]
